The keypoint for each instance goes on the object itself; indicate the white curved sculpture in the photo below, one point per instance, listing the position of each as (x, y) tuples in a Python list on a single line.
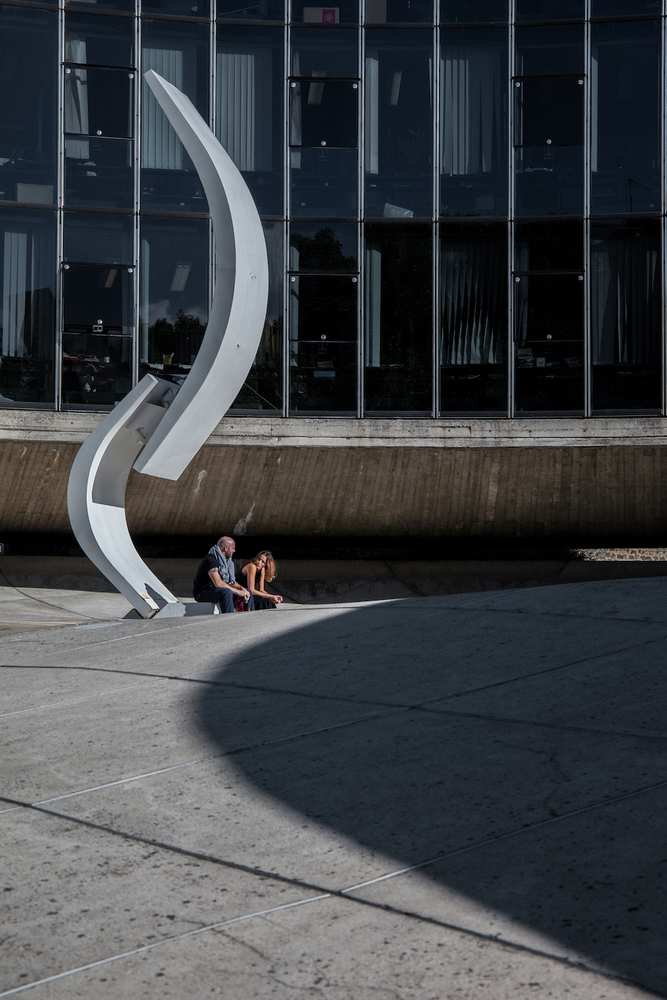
[(159, 427)]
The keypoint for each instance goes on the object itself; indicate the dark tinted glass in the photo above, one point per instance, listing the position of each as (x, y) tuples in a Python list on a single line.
[(399, 11), (345, 11), (549, 307), (323, 377), (324, 182), (473, 138), (28, 83), (99, 41), (124, 5), (27, 317), (173, 295), (549, 246), (97, 296), (249, 109), (398, 123), (549, 111), (548, 10), (256, 10), (179, 52), (329, 247), (625, 120), (323, 308), (262, 390), (397, 318), (189, 8), (625, 315), (473, 318), (550, 180), (98, 173), (97, 370), (324, 114), (99, 102), (549, 377), (469, 11), (94, 238), (328, 52), (607, 8), (550, 51)]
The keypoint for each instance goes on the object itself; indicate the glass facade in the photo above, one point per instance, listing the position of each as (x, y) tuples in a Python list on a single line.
[(463, 202)]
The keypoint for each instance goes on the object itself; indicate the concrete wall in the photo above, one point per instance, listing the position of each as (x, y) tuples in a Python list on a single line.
[(558, 479)]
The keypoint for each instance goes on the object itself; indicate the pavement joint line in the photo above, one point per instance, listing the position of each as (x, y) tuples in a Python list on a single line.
[(202, 760), (75, 701), (341, 893)]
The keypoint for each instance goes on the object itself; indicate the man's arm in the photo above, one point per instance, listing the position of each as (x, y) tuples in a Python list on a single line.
[(236, 588)]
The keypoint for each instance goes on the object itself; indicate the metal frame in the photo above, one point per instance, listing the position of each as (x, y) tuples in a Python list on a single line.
[(663, 206), (587, 210), (60, 198), (511, 350), (435, 227)]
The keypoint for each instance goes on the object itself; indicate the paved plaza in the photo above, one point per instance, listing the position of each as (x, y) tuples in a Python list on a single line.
[(419, 799)]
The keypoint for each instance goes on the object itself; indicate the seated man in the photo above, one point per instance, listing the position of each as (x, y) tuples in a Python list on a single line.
[(215, 580)]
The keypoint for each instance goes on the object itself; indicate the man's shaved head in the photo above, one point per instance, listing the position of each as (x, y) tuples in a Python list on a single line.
[(225, 541)]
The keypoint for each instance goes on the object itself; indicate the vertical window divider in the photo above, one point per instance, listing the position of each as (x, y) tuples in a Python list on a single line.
[(213, 112), (587, 210), (435, 213), (663, 227), (136, 338), (287, 174), (510, 213), (361, 189), (60, 198)]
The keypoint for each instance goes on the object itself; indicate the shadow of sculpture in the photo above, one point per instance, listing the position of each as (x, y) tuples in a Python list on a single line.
[(520, 739)]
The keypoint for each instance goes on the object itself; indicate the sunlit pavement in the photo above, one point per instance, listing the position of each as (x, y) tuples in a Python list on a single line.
[(446, 797)]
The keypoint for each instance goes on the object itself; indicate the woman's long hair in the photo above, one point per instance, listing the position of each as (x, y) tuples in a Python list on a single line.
[(271, 568)]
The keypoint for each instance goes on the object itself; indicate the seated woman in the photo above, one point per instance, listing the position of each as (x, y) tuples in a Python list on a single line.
[(261, 570)]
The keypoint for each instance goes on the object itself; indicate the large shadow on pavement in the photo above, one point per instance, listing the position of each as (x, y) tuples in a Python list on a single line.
[(523, 735)]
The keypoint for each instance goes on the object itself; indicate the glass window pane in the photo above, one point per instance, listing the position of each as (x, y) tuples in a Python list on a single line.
[(328, 52), (99, 101), (346, 11), (173, 295), (97, 334), (625, 315), (463, 11), (27, 321), (549, 246), (249, 109), (256, 10), (549, 111), (610, 8), (98, 173), (178, 51), (329, 247), (550, 182), (549, 10), (95, 239), (549, 307), (323, 378), (124, 5), (550, 51), (550, 377), (324, 114), (92, 40), (97, 296), (549, 318), (189, 8), (398, 124), (28, 83), (473, 113), (398, 318), (262, 390), (625, 125), (97, 370), (324, 182), (323, 309), (399, 11), (473, 332)]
